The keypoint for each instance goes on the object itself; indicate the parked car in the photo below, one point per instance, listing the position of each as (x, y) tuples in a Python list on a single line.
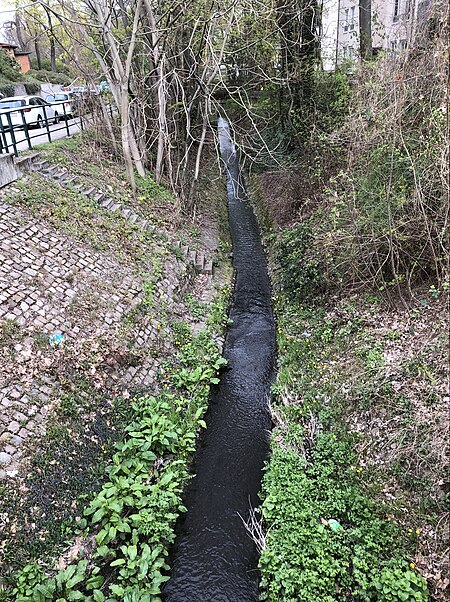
[(64, 100), (35, 110), (79, 89)]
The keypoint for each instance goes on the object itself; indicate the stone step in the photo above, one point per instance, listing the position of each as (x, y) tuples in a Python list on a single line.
[(98, 197), (132, 218), (207, 267), (107, 203), (199, 262), (78, 187), (32, 157), (23, 161), (126, 211), (50, 171), (115, 207), (192, 256), (185, 251), (89, 191), (70, 179), (40, 165)]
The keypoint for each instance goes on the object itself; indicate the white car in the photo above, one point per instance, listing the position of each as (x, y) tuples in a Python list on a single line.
[(34, 109), (64, 103)]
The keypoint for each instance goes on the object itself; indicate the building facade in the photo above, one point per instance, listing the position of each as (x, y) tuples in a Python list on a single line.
[(393, 24)]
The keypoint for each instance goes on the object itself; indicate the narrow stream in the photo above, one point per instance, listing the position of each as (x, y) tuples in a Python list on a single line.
[(215, 560)]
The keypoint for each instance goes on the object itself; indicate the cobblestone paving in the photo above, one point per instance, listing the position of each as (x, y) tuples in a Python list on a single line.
[(50, 284)]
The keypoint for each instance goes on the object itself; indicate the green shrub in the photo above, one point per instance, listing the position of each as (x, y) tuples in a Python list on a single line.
[(332, 95), (399, 585), (49, 76), (299, 270), (7, 90), (32, 88), (305, 558), (46, 65), (9, 67)]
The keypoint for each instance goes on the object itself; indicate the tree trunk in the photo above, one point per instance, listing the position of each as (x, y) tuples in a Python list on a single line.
[(19, 32), (52, 54), (51, 39), (37, 51), (365, 29), (126, 150)]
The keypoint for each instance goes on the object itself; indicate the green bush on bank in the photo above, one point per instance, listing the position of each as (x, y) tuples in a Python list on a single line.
[(42, 75), (7, 90), (299, 271), (381, 222), (46, 65), (9, 67)]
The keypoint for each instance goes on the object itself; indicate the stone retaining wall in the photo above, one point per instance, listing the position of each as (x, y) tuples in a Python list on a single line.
[(51, 285), (8, 170)]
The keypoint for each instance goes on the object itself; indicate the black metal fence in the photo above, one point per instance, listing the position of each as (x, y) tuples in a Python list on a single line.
[(13, 135)]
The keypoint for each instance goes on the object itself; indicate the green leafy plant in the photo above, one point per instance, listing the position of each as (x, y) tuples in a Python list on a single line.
[(299, 273), (9, 67), (133, 515), (314, 478), (400, 585)]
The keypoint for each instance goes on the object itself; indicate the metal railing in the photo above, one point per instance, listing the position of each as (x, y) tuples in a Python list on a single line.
[(14, 135)]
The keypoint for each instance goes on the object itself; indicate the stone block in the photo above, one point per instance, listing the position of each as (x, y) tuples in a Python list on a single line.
[(5, 458)]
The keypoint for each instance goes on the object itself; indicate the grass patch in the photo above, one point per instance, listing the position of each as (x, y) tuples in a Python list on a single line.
[(93, 165)]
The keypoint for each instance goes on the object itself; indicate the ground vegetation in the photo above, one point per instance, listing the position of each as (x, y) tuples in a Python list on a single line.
[(355, 229), (90, 512)]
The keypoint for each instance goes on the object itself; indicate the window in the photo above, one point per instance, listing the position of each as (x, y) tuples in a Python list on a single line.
[(11, 104), (352, 18), (396, 10), (346, 20), (408, 9)]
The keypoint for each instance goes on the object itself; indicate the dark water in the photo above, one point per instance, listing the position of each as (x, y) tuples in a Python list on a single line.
[(214, 558)]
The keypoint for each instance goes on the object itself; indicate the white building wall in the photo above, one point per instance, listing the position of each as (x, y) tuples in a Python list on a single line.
[(393, 28), (329, 34), (394, 24), (340, 24)]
